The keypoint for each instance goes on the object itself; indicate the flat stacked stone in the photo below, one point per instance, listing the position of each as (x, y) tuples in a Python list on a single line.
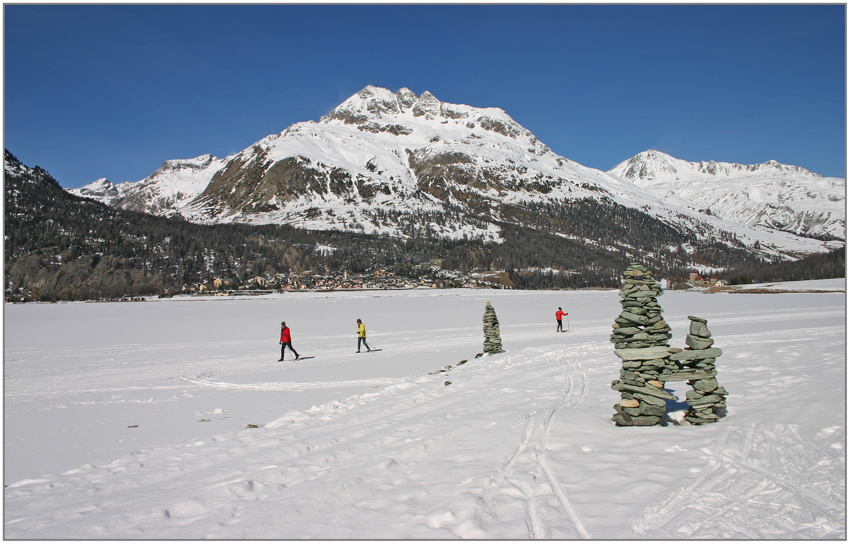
[(697, 362), (492, 337), (640, 337)]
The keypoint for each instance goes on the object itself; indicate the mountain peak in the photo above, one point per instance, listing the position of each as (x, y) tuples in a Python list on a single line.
[(373, 103), (101, 188), (652, 166), (427, 105), (647, 166)]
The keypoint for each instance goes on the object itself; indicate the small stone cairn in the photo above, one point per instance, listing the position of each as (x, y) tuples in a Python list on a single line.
[(492, 337), (640, 336), (697, 365)]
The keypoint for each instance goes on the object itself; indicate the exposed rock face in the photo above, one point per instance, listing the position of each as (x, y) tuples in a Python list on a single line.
[(422, 160), (172, 186), (427, 105), (378, 151)]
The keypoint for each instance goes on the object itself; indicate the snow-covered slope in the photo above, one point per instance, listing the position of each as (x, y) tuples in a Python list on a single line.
[(381, 152), (402, 164), (770, 195), (172, 186)]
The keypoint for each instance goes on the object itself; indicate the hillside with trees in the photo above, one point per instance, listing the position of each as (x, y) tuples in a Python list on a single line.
[(59, 246)]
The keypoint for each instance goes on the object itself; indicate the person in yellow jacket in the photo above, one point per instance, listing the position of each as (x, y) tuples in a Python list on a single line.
[(361, 336)]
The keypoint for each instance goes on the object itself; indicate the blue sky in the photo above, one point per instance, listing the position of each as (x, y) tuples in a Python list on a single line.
[(113, 91)]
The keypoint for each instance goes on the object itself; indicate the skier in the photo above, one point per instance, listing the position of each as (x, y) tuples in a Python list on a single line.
[(286, 341), (361, 336), (559, 316)]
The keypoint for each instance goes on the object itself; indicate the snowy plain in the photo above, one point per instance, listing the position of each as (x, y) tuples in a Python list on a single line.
[(172, 419)]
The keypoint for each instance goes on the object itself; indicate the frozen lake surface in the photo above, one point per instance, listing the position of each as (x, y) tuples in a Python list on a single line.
[(172, 419)]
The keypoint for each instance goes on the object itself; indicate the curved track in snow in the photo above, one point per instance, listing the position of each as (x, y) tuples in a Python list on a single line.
[(514, 446), (746, 468)]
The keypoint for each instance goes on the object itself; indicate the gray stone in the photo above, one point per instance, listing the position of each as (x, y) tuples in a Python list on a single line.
[(687, 376), (654, 364), (695, 354), (705, 386), (646, 390), (632, 377), (649, 399), (634, 318), (643, 354), (631, 421), (652, 410), (697, 342), (694, 400), (699, 328), (659, 325)]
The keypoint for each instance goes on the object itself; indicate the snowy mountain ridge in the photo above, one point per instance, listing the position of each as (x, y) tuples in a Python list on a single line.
[(768, 195), (655, 166), (172, 186), (402, 164)]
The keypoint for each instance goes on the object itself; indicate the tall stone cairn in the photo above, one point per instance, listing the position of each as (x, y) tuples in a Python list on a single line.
[(492, 337), (640, 337), (707, 398)]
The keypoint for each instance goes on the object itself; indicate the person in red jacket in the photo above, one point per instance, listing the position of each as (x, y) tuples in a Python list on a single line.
[(559, 316), (286, 341)]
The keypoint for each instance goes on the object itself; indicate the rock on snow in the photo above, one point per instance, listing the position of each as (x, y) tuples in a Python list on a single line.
[(169, 420)]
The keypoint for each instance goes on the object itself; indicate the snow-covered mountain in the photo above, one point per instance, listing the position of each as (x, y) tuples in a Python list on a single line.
[(164, 192), (381, 160), (385, 162), (770, 195)]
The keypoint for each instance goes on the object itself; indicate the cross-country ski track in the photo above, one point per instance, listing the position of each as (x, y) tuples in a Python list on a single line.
[(411, 445)]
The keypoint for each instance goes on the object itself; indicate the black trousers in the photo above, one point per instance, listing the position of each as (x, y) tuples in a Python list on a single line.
[(283, 347), (560, 325), (362, 339)]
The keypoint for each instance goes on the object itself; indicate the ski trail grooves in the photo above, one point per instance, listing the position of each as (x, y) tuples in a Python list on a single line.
[(527, 466), (570, 399), (730, 497)]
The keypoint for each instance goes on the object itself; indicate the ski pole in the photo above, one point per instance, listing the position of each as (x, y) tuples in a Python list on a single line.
[(568, 321)]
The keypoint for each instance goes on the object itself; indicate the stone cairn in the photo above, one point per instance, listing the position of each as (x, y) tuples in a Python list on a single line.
[(697, 366), (492, 338), (640, 337)]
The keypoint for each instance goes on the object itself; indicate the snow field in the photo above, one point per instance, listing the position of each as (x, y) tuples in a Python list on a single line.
[(519, 445)]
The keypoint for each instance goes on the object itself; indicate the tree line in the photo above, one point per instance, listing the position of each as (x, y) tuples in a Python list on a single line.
[(62, 247)]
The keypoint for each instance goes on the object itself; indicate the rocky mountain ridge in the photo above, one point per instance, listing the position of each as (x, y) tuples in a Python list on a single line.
[(769, 195), (164, 192), (408, 165), (59, 246)]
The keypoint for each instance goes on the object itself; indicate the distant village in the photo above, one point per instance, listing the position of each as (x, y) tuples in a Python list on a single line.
[(430, 276), (435, 278)]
